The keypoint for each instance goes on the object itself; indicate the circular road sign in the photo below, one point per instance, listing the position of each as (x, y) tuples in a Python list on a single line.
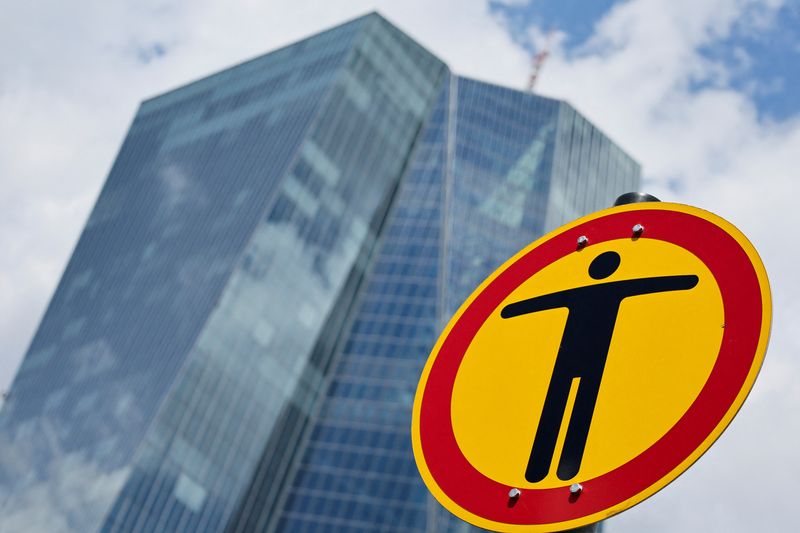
[(592, 368)]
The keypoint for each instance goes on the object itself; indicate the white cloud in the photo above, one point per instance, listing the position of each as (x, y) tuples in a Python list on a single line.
[(74, 72)]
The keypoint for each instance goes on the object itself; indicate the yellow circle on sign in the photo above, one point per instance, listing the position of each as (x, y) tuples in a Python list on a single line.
[(662, 351)]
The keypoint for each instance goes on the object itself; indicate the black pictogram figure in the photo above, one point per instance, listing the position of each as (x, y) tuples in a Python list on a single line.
[(582, 354)]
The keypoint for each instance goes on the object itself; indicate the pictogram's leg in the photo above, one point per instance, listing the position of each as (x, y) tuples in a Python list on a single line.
[(549, 424), (578, 429)]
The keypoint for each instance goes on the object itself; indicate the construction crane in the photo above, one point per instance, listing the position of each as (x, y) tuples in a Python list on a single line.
[(538, 61)]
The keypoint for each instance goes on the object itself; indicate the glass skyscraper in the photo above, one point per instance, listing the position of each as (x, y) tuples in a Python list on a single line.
[(235, 342)]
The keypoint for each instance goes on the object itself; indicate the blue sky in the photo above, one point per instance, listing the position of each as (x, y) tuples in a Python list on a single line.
[(766, 63), (702, 93), (763, 64), (576, 18)]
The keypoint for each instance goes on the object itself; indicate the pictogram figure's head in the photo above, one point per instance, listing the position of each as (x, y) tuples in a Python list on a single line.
[(604, 265)]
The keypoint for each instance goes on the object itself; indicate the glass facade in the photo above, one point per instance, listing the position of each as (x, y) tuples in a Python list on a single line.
[(485, 179), (235, 342)]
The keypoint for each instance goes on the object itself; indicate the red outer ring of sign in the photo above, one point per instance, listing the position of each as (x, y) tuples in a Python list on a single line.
[(741, 295)]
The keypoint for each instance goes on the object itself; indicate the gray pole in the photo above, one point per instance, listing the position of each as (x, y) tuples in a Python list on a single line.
[(624, 199), (635, 198)]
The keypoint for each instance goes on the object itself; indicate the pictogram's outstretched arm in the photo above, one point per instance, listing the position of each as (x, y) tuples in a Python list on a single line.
[(539, 303), (634, 287)]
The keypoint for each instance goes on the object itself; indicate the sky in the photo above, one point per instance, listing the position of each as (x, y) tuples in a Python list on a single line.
[(702, 93)]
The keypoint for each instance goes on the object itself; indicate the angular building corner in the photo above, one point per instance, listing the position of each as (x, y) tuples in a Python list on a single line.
[(235, 342)]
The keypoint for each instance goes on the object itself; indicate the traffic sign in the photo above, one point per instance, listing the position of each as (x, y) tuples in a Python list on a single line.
[(592, 368)]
